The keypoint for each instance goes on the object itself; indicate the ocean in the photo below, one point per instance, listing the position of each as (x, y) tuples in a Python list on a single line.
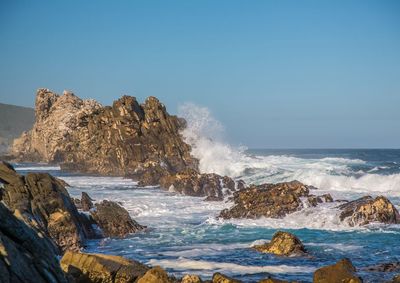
[(184, 235)]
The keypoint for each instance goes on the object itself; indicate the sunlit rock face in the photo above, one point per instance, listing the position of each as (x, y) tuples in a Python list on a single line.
[(125, 139)]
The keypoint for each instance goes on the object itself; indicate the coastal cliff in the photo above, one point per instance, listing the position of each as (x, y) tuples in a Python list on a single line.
[(125, 139)]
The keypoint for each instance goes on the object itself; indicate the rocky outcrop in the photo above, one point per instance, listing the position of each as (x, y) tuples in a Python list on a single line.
[(125, 139), (367, 209), (268, 200), (283, 244), (342, 271), (156, 275), (190, 182), (25, 255), (191, 278), (221, 278), (93, 268), (114, 220), (86, 202), (42, 202)]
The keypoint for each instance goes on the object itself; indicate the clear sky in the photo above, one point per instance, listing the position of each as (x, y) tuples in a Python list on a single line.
[(287, 74)]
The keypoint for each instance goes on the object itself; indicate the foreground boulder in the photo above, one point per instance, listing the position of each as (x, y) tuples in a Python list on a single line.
[(156, 275), (125, 139), (83, 267), (191, 183), (42, 202), (114, 220), (267, 200), (25, 256), (221, 278), (367, 209), (342, 271), (283, 244)]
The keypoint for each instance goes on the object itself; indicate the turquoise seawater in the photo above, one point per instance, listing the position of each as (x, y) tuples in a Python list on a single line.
[(184, 235)]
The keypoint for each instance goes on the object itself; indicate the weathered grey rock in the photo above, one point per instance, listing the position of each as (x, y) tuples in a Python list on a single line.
[(126, 139), (342, 271), (367, 209), (190, 182), (25, 255), (283, 244), (99, 268), (267, 200), (114, 220), (42, 202)]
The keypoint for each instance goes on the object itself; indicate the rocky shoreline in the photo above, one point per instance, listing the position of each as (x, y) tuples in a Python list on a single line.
[(142, 142)]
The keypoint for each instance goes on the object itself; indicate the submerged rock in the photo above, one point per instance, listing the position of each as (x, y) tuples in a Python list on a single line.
[(342, 271), (42, 202), (284, 244), (367, 209), (114, 220), (125, 139), (83, 267), (384, 267), (268, 200), (190, 182), (25, 255)]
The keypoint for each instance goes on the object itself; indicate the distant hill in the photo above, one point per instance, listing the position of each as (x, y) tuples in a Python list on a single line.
[(13, 121)]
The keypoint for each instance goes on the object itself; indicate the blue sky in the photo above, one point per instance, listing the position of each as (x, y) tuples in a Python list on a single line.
[(277, 74)]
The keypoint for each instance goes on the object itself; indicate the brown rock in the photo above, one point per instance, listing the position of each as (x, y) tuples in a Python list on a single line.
[(314, 200), (114, 220), (93, 268), (342, 271), (367, 209), (191, 278), (42, 202), (25, 255), (395, 279), (155, 275), (126, 139), (221, 278), (284, 244), (268, 200), (86, 202), (384, 267), (273, 280)]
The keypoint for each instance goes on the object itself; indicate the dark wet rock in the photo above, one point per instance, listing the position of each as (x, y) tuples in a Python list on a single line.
[(283, 244), (214, 198), (42, 202), (314, 200), (221, 278), (114, 220), (367, 209), (156, 275), (384, 267), (91, 268), (26, 256), (86, 202), (190, 182), (267, 200), (125, 139), (342, 271)]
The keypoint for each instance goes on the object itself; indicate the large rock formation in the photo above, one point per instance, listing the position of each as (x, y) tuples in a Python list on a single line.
[(25, 256), (93, 268), (342, 271), (126, 139), (190, 182), (367, 209), (268, 200), (43, 203), (284, 244), (114, 220)]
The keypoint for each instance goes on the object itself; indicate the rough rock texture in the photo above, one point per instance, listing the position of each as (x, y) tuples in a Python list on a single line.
[(43, 203), (114, 220), (25, 255), (190, 182), (94, 268), (221, 278), (367, 209), (86, 202), (343, 271), (273, 280), (395, 279), (156, 275), (126, 139), (384, 267), (268, 200), (314, 200), (191, 278), (284, 244)]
